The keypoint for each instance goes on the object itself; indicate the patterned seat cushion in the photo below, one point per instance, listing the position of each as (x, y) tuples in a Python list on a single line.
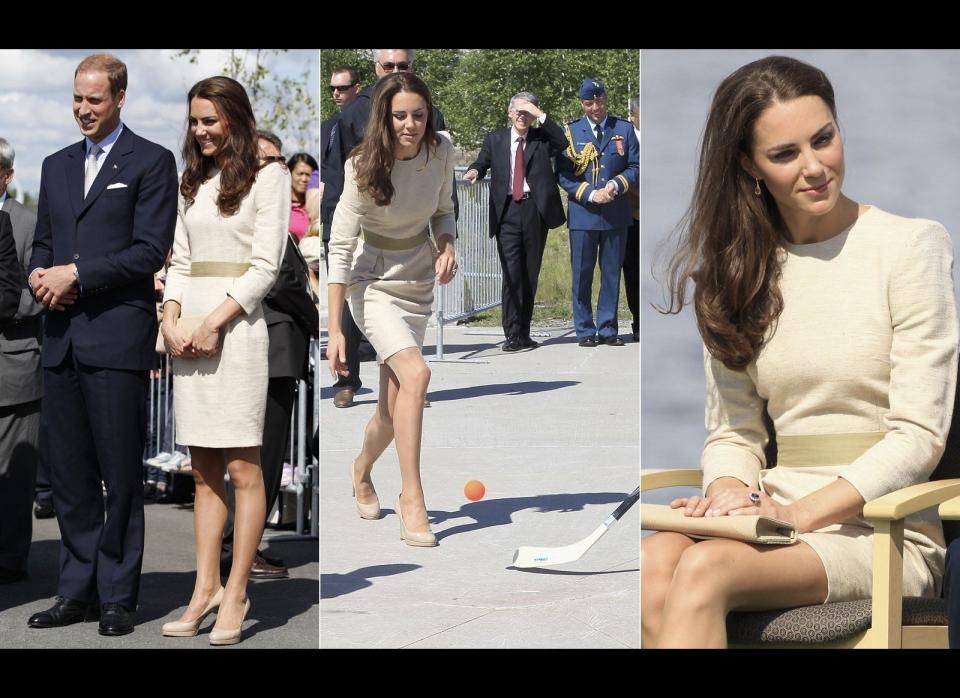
[(831, 622)]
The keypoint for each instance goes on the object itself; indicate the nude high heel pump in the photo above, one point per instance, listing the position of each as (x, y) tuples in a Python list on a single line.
[(189, 628), (229, 637), (369, 511), (422, 540)]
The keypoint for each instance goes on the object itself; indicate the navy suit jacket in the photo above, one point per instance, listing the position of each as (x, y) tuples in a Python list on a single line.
[(118, 236), (542, 145)]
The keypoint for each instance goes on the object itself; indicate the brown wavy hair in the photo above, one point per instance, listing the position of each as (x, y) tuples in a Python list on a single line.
[(239, 153), (730, 239), (374, 158)]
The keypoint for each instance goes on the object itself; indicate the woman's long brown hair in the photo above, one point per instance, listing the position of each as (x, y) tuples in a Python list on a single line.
[(730, 239), (374, 157), (239, 156)]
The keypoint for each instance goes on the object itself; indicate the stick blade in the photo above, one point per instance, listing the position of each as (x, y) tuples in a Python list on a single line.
[(527, 556)]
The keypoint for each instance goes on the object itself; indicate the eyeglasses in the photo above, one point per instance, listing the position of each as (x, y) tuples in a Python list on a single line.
[(340, 88), (399, 66)]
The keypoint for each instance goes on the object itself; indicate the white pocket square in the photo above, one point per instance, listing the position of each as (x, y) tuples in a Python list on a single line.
[(117, 185)]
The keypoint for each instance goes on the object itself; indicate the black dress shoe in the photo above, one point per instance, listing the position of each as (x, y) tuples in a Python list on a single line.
[(64, 612), (261, 569), (43, 510), (8, 576), (276, 561), (612, 341), (512, 344), (588, 342), (529, 343), (115, 620)]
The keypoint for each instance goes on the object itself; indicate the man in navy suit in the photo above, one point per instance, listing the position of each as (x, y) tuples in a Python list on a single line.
[(105, 220), (602, 162), (524, 205)]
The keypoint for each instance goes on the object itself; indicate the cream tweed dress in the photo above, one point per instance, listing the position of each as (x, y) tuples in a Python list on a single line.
[(866, 345), (390, 291), (219, 402)]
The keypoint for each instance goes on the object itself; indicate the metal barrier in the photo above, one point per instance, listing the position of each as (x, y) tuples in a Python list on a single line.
[(478, 285), (161, 434)]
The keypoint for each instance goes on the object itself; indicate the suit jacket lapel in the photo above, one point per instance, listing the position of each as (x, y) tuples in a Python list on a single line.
[(73, 171), (528, 149), (110, 168)]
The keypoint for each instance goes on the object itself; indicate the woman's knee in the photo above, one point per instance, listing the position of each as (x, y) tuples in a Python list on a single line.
[(702, 574), (245, 476)]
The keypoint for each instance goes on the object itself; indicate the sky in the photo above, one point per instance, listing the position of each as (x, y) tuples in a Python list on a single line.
[(36, 87)]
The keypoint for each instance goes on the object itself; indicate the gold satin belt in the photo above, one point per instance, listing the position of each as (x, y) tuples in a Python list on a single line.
[(394, 244), (230, 269), (825, 449)]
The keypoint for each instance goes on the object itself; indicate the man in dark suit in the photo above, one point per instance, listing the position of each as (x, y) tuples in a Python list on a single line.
[(347, 136), (9, 272), (344, 88), (105, 221), (21, 387), (524, 205), (292, 318), (601, 163)]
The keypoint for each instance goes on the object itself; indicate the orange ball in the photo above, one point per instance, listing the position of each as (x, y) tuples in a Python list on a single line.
[(474, 490)]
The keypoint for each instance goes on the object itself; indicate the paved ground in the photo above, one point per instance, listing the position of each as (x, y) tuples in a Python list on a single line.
[(553, 434), (284, 612)]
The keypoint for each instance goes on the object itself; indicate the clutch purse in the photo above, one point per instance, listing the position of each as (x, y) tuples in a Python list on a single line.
[(751, 529), (189, 324)]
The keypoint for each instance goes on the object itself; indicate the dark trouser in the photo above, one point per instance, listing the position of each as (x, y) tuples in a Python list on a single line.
[(951, 592), (276, 429), (520, 243), (97, 421), (43, 493), (631, 273), (585, 247), (354, 336), (19, 440)]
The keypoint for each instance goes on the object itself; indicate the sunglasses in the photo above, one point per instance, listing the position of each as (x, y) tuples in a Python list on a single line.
[(340, 88), (390, 66)]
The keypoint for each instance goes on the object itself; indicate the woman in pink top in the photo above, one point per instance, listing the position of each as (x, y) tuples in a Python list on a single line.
[(301, 167)]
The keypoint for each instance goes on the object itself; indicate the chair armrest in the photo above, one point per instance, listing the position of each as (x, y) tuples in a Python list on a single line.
[(910, 500), (670, 477), (950, 509)]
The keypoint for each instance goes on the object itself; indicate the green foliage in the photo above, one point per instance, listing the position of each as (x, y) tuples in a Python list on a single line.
[(473, 87), (283, 105)]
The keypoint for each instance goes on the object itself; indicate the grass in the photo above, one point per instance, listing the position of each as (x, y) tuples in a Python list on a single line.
[(553, 305)]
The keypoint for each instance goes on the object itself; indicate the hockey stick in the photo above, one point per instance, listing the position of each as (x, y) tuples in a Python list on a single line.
[(531, 556)]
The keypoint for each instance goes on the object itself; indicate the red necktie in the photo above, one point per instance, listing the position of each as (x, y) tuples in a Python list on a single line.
[(518, 172)]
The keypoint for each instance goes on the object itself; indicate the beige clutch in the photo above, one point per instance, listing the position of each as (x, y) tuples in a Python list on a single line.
[(752, 529), (188, 324)]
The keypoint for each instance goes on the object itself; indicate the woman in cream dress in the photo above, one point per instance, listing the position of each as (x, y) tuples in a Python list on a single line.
[(397, 183), (835, 317), (231, 228)]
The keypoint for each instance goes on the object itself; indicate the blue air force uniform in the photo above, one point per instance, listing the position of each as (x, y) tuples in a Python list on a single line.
[(598, 228)]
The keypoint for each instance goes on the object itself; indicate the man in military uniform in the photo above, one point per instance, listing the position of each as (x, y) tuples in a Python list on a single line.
[(601, 163)]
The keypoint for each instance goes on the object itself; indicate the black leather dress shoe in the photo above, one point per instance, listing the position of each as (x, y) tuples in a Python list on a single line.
[(612, 341), (512, 344), (262, 569), (64, 612), (276, 561), (588, 342), (43, 510), (529, 343), (115, 620), (9, 576)]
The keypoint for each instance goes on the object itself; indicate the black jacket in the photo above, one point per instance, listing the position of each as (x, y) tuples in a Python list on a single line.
[(292, 318)]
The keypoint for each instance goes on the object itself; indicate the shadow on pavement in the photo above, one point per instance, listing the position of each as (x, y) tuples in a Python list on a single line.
[(43, 569), (538, 570), (521, 388), (334, 585), (498, 512)]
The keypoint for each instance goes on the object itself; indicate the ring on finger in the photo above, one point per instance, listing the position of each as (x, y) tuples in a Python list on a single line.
[(754, 498)]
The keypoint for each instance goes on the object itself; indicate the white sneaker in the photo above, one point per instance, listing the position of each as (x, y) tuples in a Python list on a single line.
[(173, 463), (159, 459)]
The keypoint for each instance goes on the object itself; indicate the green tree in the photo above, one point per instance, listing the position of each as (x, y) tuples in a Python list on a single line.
[(281, 104)]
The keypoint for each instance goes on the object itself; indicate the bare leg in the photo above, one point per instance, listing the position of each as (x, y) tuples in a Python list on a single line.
[(715, 577), (660, 554), (413, 376), (209, 518), (243, 464), (376, 438)]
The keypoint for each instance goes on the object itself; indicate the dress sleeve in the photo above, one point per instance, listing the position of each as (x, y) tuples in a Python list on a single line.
[(443, 221), (179, 270), (272, 219), (923, 367), (345, 228), (734, 421)]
